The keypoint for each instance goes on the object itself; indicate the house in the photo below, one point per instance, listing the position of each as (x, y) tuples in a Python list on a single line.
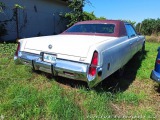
[(31, 18)]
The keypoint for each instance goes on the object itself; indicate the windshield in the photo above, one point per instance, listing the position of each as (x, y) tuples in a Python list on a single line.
[(92, 28)]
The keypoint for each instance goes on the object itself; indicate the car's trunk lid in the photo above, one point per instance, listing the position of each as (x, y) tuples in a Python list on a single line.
[(72, 45)]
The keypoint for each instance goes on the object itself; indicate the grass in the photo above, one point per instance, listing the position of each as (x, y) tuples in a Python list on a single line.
[(148, 63), (25, 94)]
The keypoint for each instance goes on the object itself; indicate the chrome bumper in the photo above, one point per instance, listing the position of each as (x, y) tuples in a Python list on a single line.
[(155, 76), (64, 68)]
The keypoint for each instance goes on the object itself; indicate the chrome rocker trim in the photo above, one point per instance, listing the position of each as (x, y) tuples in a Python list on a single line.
[(155, 76), (64, 68)]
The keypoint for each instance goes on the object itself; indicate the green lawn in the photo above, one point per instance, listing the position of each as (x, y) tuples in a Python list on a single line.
[(25, 94)]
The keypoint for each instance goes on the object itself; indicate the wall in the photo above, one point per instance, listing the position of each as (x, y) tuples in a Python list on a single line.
[(37, 18)]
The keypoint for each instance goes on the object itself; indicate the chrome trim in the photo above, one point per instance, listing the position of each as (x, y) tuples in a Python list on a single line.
[(65, 68), (94, 80), (155, 76), (25, 58)]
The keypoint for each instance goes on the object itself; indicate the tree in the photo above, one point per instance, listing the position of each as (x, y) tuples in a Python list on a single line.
[(77, 14), (138, 27), (157, 26), (148, 26), (91, 16), (131, 22)]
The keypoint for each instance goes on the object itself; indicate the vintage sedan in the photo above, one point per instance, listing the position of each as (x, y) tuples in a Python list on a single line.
[(155, 74), (89, 50)]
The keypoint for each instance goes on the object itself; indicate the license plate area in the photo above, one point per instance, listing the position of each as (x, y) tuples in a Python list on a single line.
[(50, 58)]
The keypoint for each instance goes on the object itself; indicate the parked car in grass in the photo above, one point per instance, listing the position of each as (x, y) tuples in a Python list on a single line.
[(155, 74), (89, 50)]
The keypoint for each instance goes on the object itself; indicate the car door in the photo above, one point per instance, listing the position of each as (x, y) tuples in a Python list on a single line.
[(140, 42), (157, 64), (133, 38)]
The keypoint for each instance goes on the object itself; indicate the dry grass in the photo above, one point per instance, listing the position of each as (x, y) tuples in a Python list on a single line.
[(147, 107), (153, 38)]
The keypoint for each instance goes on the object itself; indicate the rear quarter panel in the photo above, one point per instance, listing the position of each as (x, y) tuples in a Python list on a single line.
[(140, 42), (114, 55)]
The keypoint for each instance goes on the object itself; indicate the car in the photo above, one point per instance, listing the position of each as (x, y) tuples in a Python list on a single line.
[(89, 51), (155, 74)]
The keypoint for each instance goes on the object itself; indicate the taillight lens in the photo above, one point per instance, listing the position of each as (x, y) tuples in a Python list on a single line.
[(94, 63), (18, 48), (158, 61)]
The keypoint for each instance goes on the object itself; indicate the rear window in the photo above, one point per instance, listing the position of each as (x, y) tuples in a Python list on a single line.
[(92, 28)]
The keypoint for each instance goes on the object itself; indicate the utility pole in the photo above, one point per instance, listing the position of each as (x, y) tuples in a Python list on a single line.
[(17, 25)]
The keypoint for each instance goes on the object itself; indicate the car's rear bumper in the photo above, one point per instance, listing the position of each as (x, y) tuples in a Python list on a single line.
[(64, 68), (155, 76)]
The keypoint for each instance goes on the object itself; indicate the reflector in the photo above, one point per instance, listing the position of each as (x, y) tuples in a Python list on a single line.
[(94, 63)]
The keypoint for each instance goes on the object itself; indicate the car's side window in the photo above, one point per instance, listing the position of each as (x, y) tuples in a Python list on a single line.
[(130, 31)]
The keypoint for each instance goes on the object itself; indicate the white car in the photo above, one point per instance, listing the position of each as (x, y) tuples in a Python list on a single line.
[(89, 50)]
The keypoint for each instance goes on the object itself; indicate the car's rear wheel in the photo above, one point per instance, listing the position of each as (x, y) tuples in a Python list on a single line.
[(143, 48), (120, 72)]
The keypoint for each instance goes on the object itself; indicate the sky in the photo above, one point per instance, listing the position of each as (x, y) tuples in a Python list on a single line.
[(134, 10)]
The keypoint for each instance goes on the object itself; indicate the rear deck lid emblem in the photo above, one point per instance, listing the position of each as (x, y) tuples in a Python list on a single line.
[(50, 46)]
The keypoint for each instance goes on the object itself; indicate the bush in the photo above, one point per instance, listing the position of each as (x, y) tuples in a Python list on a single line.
[(149, 26)]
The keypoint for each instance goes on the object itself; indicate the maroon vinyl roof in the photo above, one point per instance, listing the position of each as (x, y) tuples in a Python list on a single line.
[(119, 31)]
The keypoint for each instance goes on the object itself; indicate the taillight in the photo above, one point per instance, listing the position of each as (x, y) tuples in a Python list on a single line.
[(158, 61), (18, 48), (94, 63)]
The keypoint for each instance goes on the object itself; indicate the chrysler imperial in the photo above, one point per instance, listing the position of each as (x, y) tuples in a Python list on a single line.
[(89, 50)]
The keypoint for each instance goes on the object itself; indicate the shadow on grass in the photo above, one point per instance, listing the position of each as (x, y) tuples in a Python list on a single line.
[(157, 88), (65, 81), (110, 84), (72, 83), (113, 84)]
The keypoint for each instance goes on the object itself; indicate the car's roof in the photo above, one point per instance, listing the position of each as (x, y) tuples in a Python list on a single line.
[(100, 21), (119, 31)]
